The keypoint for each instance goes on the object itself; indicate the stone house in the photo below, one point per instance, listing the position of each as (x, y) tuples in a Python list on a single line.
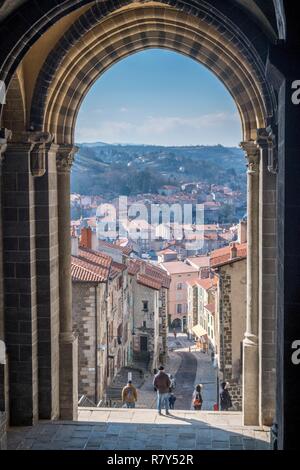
[(150, 286), (201, 319), (229, 266), (101, 319), (179, 272)]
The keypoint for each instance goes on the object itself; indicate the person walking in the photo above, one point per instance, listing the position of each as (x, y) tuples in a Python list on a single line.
[(175, 333), (162, 384), (225, 398), (173, 383), (129, 395), (197, 397)]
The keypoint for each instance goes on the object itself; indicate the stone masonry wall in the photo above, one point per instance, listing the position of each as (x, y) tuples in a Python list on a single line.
[(84, 323)]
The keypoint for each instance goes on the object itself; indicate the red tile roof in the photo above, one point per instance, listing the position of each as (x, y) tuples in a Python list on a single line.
[(158, 275), (148, 281), (95, 257), (116, 269), (126, 250), (222, 256), (210, 307), (207, 283), (83, 271)]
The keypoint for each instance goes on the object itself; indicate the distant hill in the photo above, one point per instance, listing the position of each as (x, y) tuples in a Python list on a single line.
[(130, 169)]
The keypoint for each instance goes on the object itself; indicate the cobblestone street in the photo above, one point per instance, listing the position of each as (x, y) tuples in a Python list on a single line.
[(189, 369), (143, 428)]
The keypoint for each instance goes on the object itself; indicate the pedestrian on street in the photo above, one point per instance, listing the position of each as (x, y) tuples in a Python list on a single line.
[(197, 398), (129, 395), (173, 383), (162, 384), (225, 398), (172, 400), (175, 333)]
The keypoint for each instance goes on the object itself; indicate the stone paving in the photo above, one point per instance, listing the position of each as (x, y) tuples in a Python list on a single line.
[(120, 429)]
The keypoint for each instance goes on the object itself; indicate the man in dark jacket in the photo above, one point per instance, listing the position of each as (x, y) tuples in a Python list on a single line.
[(225, 398), (162, 384)]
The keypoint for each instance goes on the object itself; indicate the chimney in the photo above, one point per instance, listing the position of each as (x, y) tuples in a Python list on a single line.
[(94, 241), (242, 232), (233, 251), (75, 245), (86, 238)]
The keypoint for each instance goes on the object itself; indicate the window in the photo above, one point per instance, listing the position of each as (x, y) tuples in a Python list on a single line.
[(179, 286), (179, 308), (144, 324), (145, 306)]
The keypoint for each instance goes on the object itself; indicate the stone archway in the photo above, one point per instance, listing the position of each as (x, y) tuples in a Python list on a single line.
[(96, 39)]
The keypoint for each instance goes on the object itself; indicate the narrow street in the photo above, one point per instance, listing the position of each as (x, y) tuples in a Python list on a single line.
[(189, 367)]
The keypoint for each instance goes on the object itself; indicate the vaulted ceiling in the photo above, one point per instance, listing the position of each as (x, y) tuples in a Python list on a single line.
[(262, 11)]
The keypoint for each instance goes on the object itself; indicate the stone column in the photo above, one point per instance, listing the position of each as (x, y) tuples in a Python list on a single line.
[(4, 137), (47, 265), (250, 343), (20, 282), (68, 342), (267, 283)]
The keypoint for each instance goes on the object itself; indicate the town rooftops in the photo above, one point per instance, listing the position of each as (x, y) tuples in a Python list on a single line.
[(93, 266), (228, 254), (149, 274), (178, 267), (85, 271), (125, 250), (207, 283), (199, 261)]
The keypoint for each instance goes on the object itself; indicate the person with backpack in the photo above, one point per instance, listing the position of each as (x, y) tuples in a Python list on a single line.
[(197, 398), (225, 398), (129, 395)]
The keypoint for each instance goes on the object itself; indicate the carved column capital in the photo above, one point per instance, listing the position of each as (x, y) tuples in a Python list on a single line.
[(266, 139), (5, 136), (251, 150), (65, 157), (38, 142)]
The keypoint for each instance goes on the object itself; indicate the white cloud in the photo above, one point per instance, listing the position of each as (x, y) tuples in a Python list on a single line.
[(173, 130)]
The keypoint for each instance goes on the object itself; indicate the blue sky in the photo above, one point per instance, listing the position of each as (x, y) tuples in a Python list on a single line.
[(162, 98)]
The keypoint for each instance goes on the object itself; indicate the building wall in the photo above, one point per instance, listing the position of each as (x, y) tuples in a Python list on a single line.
[(180, 296), (118, 323), (232, 325), (142, 294), (163, 324), (89, 319)]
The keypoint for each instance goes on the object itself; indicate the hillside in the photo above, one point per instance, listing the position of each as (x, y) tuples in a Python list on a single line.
[(111, 170)]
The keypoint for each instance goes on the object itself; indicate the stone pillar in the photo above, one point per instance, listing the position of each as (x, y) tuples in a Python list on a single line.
[(20, 283), (68, 342), (268, 270), (4, 137), (283, 72), (47, 265), (250, 343)]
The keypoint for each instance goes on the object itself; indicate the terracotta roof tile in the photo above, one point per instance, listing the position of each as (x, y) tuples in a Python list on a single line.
[(148, 281), (222, 256), (126, 250), (95, 257), (210, 307), (84, 271)]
